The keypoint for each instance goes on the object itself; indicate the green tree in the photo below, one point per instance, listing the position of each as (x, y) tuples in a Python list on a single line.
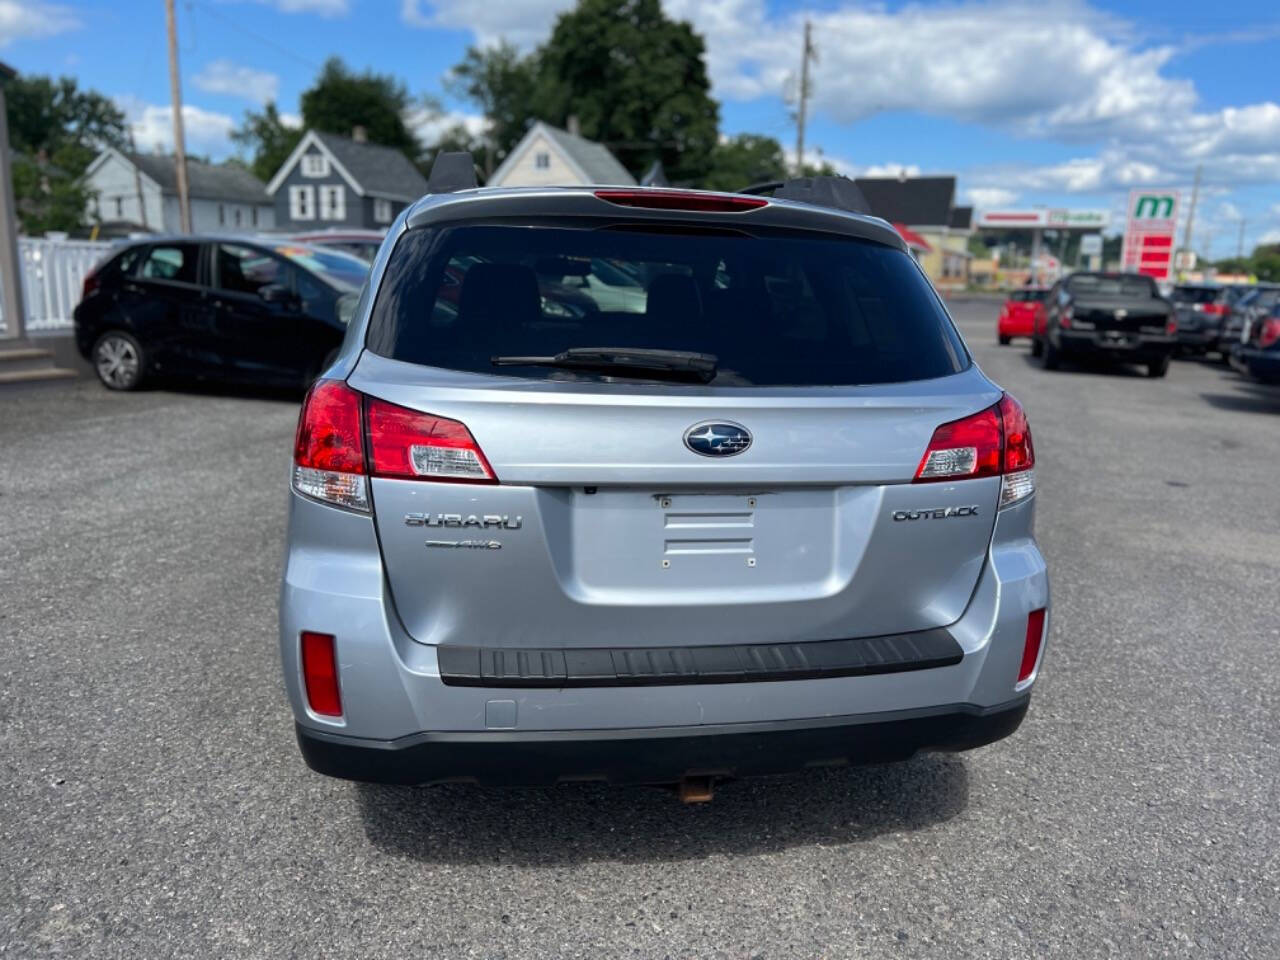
[(267, 140), (55, 131), (636, 81), (342, 100), (502, 83), (743, 160)]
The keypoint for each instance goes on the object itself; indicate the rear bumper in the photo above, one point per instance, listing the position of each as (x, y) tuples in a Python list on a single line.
[(1131, 346), (656, 754), (1262, 364), (1200, 339)]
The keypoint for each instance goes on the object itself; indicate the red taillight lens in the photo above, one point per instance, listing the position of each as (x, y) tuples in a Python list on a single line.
[(90, 285), (681, 200), (1019, 454), (963, 449), (1031, 649), (1216, 309), (329, 429), (994, 442), (1065, 318), (418, 446), (328, 451), (320, 674), (1269, 333)]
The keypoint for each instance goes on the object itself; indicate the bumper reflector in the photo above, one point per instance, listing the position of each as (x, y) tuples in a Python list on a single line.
[(1031, 651), (320, 674)]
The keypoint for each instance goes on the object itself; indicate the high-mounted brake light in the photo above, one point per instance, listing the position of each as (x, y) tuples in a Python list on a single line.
[(682, 200), (328, 452), (995, 442), (409, 445)]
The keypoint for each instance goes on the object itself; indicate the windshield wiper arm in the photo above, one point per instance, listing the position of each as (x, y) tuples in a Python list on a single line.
[(676, 364)]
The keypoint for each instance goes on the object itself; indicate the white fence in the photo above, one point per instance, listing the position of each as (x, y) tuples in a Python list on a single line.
[(53, 272)]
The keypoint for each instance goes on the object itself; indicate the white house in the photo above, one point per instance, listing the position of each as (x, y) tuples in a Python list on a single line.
[(549, 156), (136, 191)]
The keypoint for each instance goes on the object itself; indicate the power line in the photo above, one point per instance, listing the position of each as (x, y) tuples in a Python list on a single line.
[(279, 48)]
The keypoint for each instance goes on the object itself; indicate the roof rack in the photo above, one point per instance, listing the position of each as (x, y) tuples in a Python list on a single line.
[(826, 191), (451, 172)]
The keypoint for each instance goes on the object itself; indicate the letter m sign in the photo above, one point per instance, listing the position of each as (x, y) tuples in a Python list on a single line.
[(1153, 206)]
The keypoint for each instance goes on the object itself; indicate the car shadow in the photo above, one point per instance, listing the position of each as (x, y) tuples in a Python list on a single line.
[(1246, 396), (585, 823), (1091, 367)]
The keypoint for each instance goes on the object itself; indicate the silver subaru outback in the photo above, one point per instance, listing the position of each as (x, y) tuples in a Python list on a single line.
[(653, 486)]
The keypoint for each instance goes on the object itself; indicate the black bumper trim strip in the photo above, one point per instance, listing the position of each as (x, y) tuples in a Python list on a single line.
[(465, 666)]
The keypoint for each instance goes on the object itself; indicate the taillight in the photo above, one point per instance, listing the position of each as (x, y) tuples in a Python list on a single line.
[(993, 442), (1065, 318), (1215, 309), (90, 285), (409, 445), (1031, 647), (682, 200), (1171, 325), (1269, 333), (328, 452), (320, 674), (331, 462)]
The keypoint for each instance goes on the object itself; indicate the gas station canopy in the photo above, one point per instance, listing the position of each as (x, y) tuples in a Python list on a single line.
[(1047, 218)]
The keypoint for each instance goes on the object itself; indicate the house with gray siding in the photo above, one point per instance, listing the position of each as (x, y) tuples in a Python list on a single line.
[(132, 192), (333, 181), (548, 156)]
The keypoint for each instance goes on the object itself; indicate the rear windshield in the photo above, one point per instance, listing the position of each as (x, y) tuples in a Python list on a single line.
[(1027, 296), (1196, 294), (774, 309), (1130, 288)]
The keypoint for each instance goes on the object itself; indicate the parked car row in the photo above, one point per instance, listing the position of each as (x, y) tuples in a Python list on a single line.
[(1124, 317)]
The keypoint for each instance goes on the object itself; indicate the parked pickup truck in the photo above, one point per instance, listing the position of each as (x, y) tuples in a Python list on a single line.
[(1117, 316)]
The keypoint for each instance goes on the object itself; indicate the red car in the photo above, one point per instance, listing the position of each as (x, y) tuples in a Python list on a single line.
[(1019, 313)]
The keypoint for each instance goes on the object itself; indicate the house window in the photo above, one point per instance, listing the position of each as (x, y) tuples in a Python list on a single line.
[(381, 210), (315, 165), (302, 203), (333, 202), (222, 215), (542, 160), (237, 216), (253, 215), (119, 208)]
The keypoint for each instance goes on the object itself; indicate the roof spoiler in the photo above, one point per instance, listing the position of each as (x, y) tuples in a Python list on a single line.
[(452, 172), (838, 192)]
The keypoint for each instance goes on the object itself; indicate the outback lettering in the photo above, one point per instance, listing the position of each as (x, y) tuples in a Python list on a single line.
[(935, 513)]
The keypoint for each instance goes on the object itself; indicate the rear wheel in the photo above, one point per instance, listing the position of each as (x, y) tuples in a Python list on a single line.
[(119, 360), (1158, 368), (1050, 356), (1005, 341)]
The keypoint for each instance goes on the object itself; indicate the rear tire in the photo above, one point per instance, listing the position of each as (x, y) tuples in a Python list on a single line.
[(1050, 356), (1158, 368), (1005, 341), (119, 360)]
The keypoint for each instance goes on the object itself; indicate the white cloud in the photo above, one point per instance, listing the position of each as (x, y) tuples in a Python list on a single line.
[(522, 22), (428, 125), (224, 76), (25, 19), (204, 131), (890, 170), (1271, 236), (986, 198)]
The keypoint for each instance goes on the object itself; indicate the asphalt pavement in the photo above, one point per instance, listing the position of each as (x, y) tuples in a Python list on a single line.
[(154, 803)]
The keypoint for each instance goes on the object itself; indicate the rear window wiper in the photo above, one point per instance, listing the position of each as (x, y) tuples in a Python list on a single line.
[(651, 364)]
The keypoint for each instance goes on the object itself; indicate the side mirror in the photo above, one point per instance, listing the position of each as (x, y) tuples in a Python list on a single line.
[(279, 294)]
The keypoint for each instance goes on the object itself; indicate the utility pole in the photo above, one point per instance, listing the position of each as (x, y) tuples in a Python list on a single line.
[(1191, 211), (179, 141), (809, 54)]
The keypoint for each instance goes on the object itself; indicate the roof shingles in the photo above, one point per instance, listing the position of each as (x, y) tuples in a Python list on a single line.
[(380, 171), (205, 181)]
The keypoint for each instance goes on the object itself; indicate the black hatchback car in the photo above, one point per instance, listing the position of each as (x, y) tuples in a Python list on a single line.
[(252, 310)]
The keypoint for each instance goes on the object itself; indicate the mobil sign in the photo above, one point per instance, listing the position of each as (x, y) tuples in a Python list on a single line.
[(1149, 231)]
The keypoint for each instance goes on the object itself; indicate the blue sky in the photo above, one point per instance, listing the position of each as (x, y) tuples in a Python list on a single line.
[(1028, 103)]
